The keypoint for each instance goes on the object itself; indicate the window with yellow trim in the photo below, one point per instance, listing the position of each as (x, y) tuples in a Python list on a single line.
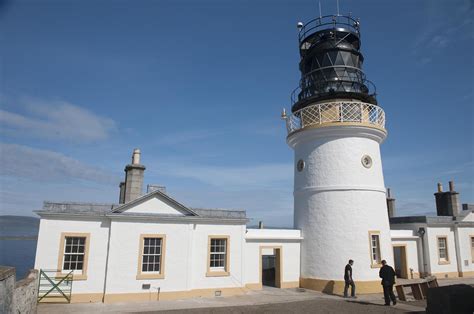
[(218, 256), (375, 248), (443, 249), (73, 254), (151, 259), (472, 248)]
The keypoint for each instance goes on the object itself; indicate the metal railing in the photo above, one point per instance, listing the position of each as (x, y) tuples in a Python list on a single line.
[(329, 22), (336, 112)]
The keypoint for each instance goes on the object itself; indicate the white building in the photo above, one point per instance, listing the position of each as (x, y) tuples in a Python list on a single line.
[(151, 247)]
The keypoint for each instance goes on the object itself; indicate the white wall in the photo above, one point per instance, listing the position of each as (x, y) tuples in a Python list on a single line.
[(290, 256), (154, 205), (338, 200), (49, 242), (406, 238), (185, 256), (464, 238), (435, 266)]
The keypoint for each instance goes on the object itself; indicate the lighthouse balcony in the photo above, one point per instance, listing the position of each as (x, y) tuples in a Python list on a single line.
[(336, 113)]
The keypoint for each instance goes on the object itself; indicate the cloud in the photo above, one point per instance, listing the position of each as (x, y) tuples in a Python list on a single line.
[(56, 120), (43, 165)]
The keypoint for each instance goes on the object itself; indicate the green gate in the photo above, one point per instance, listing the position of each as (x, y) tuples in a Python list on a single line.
[(54, 286)]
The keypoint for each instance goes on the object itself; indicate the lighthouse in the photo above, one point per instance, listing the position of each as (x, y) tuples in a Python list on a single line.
[(335, 128)]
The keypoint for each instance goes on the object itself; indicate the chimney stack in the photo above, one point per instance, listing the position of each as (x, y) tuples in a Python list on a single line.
[(122, 192), (133, 178), (447, 203), (390, 204)]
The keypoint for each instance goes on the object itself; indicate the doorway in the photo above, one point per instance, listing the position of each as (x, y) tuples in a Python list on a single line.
[(400, 260), (270, 266)]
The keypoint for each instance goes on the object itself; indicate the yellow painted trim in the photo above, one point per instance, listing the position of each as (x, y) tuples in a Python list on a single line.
[(254, 286), (86, 297), (62, 241), (226, 272), (453, 274), (146, 275), (153, 295), (466, 274), (337, 286), (279, 274), (447, 261), (372, 264), (290, 284)]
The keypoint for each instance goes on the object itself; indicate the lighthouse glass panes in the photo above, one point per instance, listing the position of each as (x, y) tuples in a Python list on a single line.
[(74, 252), (375, 248), (152, 252), (443, 249), (218, 254)]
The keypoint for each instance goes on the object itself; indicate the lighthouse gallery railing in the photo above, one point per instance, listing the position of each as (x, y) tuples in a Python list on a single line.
[(336, 112)]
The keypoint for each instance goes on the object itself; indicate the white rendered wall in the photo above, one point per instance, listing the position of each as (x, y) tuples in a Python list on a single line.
[(465, 234), (47, 249), (338, 201), (185, 256), (406, 238), (435, 267), (198, 261), (289, 242), (154, 206)]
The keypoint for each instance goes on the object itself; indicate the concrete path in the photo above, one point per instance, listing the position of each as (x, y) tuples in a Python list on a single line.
[(268, 300)]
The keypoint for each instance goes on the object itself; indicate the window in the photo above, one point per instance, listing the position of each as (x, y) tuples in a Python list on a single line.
[(443, 257), (73, 255), (374, 237), (74, 252), (151, 256), (218, 256), (472, 248)]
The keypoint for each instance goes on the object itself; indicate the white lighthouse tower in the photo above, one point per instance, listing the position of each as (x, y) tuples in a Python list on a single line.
[(335, 129)]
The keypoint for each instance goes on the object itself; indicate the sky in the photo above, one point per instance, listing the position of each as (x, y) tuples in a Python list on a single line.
[(198, 86)]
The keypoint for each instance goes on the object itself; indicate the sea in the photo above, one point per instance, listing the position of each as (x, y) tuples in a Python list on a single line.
[(18, 238)]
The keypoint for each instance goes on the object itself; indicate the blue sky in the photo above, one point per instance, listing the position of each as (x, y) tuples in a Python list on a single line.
[(198, 86)]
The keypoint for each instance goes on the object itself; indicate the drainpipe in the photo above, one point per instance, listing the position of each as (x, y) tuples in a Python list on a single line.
[(457, 249), (107, 262), (421, 232)]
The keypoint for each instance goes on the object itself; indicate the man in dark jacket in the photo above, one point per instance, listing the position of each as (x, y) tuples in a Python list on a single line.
[(348, 279), (388, 280)]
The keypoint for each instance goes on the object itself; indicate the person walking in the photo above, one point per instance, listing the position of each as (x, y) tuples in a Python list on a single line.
[(348, 280), (388, 280)]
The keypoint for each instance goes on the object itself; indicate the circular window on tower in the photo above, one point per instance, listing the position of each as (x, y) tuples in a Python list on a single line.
[(300, 165), (366, 161)]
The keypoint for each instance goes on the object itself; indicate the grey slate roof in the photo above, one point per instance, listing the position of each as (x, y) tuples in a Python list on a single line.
[(96, 209), (220, 213), (93, 209)]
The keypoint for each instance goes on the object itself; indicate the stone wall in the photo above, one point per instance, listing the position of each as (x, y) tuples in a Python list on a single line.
[(20, 297), (7, 286), (26, 294)]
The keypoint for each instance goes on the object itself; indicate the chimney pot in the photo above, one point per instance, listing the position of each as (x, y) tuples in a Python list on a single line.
[(136, 157), (260, 225), (440, 187), (451, 186), (388, 193)]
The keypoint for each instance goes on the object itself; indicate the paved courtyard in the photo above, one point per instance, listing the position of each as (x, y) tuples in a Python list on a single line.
[(269, 300)]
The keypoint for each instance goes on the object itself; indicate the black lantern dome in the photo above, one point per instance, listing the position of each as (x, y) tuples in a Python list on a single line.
[(331, 62)]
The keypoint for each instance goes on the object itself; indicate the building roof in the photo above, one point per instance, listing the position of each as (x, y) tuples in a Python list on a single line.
[(120, 210)]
